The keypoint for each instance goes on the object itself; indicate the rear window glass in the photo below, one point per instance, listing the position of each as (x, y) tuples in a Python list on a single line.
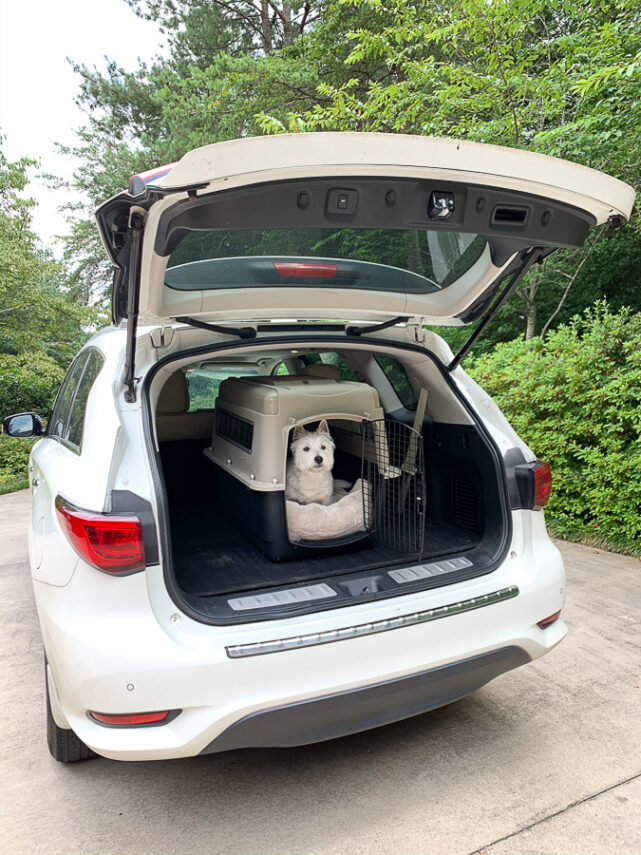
[(397, 375), (414, 260)]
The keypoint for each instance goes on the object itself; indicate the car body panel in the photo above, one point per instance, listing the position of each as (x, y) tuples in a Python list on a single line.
[(122, 645), (125, 645), (213, 174), (181, 664), (344, 153)]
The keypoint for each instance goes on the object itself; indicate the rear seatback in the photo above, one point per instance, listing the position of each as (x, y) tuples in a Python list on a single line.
[(173, 419)]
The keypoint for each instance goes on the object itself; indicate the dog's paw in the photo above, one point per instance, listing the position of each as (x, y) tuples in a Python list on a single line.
[(340, 488), (340, 484)]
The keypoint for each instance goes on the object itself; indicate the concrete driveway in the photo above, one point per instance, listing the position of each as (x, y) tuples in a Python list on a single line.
[(545, 759)]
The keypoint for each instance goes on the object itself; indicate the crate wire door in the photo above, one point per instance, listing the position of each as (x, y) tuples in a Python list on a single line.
[(394, 485)]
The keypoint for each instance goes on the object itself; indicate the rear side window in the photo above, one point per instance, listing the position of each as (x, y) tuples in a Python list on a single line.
[(77, 413), (205, 382), (60, 414), (67, 419), (397, 375)]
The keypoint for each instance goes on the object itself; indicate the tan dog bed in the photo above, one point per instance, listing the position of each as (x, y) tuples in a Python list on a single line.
[(325, 522)]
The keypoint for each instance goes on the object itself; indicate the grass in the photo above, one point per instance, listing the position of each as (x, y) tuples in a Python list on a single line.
[(14, 460), (622, 546), (13, 486)]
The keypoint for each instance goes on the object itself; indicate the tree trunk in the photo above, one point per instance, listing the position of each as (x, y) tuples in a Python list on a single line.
[(288, 35), (530, 314), (265, 26)]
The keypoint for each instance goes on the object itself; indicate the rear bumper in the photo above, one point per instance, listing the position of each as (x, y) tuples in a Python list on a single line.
[(115, 649), (337, 715)]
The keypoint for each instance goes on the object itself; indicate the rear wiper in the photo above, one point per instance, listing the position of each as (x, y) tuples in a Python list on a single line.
[(241, 332), (360, 330)]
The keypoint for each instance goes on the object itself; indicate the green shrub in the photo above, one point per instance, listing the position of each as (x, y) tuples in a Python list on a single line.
[(575, 398), (28, 382), (14, 459)]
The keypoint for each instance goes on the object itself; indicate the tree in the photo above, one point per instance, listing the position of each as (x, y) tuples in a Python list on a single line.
[(558, 78), (226, 61), (561, 79), (575, 398), (40, 326)]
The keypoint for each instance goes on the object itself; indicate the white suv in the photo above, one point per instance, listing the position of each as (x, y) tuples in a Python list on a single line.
[(263, 284)]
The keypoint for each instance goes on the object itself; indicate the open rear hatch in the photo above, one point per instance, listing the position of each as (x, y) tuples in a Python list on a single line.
[(360, 228), (267, 227)]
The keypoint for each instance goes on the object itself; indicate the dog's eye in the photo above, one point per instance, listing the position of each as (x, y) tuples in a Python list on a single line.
[(306, 448), (322, 448)]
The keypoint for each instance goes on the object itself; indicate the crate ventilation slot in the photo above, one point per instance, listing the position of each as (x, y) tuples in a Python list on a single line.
[(233, 428)]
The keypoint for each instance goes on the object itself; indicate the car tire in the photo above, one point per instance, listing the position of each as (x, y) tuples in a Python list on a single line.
[(64, 745)]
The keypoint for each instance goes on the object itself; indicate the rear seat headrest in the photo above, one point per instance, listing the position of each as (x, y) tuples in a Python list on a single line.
[(174, 395), (328, 372)]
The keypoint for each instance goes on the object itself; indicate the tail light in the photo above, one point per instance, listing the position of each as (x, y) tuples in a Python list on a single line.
[(549, 620), (315, 270), (534, 482), (542, 484), (131, 719), (113, 544)]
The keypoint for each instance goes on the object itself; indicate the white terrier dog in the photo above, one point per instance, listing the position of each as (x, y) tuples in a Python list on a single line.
[(309, 470)]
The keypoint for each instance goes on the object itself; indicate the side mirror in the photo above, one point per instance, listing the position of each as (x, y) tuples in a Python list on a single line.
[(22, 425)]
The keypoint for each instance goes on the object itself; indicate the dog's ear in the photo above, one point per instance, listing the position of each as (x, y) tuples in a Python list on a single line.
[(299, 431), (323, 428)]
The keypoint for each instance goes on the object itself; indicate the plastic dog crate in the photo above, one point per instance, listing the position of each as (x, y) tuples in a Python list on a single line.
[(253, 423)]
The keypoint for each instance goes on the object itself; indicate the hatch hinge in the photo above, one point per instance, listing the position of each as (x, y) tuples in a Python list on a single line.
[(136, 228), (162, 336), (415, 328), (536, 253)]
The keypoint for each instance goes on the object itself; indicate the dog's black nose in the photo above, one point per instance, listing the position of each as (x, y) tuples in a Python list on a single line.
[(318, 459)]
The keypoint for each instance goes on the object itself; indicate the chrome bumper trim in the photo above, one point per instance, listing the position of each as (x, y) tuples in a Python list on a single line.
[(259, 648)]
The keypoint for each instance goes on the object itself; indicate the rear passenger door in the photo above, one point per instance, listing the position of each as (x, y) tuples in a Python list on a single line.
[(53, 560)]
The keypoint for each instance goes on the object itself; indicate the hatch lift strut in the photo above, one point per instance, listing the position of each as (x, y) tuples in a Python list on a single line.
[(535, 254), (137, 225)]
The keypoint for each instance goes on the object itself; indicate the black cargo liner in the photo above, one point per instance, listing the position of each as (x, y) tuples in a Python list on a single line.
[(480, 464), (214, 560)]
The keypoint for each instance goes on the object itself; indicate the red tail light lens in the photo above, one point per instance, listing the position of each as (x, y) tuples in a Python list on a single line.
[(542, 485), (549, 620), (534, 485), (305, 269), (129, 720), (110, 543)]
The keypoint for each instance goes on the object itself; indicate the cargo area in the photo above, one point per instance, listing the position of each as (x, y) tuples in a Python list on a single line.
[(224, 561)]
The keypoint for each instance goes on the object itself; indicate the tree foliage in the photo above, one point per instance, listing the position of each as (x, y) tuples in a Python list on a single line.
[(28, 382), (41, 327), (14, 461), (575, 398), (559, 78)]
